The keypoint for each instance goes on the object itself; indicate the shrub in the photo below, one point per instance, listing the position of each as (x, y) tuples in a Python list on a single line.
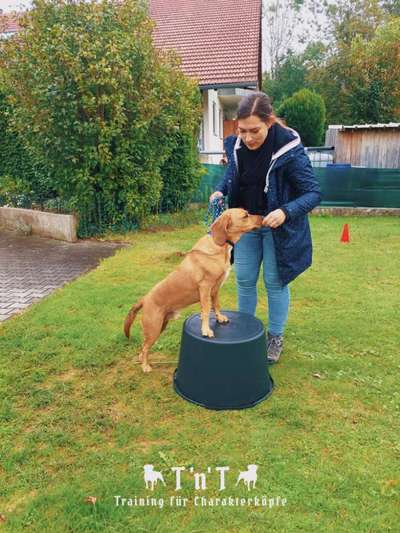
[(101, 109), (305, 112), (22, 183)]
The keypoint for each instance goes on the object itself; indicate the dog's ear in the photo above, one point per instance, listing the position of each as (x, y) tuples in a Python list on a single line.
[(220, 227)]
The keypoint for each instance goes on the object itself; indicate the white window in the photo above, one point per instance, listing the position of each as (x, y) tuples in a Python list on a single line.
[(215, 118), (200, 143)]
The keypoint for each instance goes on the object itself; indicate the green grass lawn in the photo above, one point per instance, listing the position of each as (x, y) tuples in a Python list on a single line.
[(78, 417)]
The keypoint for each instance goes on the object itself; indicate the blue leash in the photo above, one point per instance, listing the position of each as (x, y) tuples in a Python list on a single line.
[(215, 209)]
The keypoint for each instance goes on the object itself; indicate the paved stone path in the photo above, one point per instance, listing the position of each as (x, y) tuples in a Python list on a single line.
[(32, 267)]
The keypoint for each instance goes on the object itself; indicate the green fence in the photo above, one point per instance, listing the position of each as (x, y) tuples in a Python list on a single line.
[(341, 186), (208, 182), (359, 187)]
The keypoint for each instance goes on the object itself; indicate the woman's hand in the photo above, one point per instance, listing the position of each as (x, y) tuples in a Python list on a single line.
[(274, 219), (216, 194)]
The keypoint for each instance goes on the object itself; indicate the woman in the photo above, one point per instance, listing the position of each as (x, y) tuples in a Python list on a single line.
[(270, 174)]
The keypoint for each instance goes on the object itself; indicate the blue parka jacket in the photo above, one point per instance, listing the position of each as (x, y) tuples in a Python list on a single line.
[(290, 185)]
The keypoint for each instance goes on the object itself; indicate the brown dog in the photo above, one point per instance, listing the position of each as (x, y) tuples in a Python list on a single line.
[(198, 278)]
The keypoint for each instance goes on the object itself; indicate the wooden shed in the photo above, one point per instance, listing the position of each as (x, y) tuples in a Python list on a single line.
[(366, 145)]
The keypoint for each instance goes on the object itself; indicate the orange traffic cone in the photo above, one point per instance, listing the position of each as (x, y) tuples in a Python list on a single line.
[(345, 234)]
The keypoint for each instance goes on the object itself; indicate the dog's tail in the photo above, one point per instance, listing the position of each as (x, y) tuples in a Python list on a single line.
[(131, 316)]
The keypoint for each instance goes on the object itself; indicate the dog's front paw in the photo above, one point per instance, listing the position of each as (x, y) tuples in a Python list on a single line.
[(207, 333), (146, 367), (222, 319)]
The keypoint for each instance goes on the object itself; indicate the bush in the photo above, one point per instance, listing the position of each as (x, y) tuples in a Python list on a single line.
[(178, 170), (22, 183), (102, 110), (305, 112)]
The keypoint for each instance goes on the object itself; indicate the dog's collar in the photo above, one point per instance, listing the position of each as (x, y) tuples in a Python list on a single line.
[(226, 242)]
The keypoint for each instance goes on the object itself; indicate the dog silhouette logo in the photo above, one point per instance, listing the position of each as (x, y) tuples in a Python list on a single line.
[(151, 476), (248, 476)]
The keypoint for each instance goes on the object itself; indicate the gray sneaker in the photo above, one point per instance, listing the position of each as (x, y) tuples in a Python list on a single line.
[(274, 348)]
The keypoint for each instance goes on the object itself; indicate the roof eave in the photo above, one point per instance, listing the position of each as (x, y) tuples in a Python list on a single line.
[(242, 84)]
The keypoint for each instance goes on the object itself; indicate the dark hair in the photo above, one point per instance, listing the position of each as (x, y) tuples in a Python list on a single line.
[(258, 104)]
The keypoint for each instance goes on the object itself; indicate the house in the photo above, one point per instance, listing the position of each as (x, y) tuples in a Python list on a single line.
[(8, 24), (219, 42), (366, 145)]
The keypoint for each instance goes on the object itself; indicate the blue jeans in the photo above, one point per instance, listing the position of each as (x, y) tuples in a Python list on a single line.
[(254, 248)]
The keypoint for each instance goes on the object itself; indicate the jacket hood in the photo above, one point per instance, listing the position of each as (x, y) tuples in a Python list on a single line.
[(285, 140)]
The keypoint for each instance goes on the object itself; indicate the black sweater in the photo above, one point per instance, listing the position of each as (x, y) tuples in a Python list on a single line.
[(253, 168)]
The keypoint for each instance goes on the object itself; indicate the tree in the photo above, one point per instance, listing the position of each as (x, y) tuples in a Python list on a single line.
[(392, 7), (353, 69), (305, 112), (289, 78), (288, 25), (353, 19), (98, 105), (21, 181), (335, 77), (291, 75), (374, 86)]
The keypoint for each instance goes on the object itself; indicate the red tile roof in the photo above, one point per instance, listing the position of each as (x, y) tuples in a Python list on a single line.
[(219, 40), (8, 22)]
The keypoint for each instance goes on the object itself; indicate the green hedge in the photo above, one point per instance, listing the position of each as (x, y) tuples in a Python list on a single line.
[(108, 124), (22, 182)]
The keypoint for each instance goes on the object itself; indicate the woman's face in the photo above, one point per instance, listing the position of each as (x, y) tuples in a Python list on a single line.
[(253, 131)]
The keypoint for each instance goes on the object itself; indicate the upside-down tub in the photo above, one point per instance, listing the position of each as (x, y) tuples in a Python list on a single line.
[(228, 371)]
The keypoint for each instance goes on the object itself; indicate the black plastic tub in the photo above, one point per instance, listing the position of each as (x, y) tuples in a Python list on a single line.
[(228, 371)]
